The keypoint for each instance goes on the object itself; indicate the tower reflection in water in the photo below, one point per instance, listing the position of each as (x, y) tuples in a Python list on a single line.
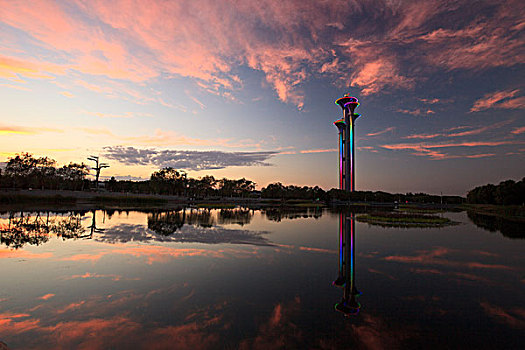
[(346, 278)]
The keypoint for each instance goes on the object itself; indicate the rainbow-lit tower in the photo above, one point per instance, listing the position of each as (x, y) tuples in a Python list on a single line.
[(346, 278), (346, 142)]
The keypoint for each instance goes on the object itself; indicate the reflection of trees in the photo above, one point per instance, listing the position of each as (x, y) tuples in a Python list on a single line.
[(197, 226), (166, 223), (93, 227), (278, 214), (200, 217), (239, 216), (508, 228), (35, 229)]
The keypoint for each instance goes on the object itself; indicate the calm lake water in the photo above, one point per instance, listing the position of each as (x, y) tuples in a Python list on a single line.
[(256, 279)]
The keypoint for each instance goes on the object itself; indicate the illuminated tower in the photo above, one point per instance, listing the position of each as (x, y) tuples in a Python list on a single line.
[(346, 142), (341, 127), (346, 278)]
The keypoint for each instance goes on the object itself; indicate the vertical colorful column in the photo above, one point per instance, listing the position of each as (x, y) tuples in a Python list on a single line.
[(346, 139)]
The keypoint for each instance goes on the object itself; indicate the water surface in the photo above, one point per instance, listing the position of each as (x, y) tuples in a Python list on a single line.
[(242, 278)]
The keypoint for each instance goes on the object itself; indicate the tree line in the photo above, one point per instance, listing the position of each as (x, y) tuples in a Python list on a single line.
[(278, 190), (507, 192), (24, 171)]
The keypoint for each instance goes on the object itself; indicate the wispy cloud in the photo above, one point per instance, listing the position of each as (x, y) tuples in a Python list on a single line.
[(187, 160), (161, 138), (422, 136), (97, 131), (417, 111), (109, 115), (16, 87), (13, 67), (430, 100), (442, 256), (92, 275), (473, 131), (324, 150), (46, 296), (288, 42), (392, 128), (518, 131), (67, 94), (432, 149), (500, 99), (515, 317), (24, 130)]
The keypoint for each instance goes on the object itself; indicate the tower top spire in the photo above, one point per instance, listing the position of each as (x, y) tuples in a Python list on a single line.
[(348, 102)]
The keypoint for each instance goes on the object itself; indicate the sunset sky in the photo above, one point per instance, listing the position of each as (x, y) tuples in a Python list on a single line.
[(247, 88)]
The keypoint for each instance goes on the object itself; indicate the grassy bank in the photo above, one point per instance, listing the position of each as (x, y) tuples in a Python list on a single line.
[(404, 220), (128, 200), (507, 212), (17, 198)]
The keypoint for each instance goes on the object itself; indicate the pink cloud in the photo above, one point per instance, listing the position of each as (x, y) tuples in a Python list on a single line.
[(392, 128), (518, 131), (11, 323), (374, 68), (515, 103), (69, 307), (8, 253), (47, 296), (289, 42), (12, 67), (318, 250), (482, 129), (148, 39), (500, 99), (430, 149), (479, 44), (277, 331), (109, 115), (368, 148), (515, 321), (96, 275), (67, 94), (86, 257), (438, 256), (422, 136), (482, 155), (475, 131), (417, 111), (430, 100), (16, 87), (374, 76), (319, 150)]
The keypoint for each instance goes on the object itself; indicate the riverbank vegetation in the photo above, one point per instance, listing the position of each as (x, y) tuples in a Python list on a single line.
[(396, 219), (26, 172), (507, 192)]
